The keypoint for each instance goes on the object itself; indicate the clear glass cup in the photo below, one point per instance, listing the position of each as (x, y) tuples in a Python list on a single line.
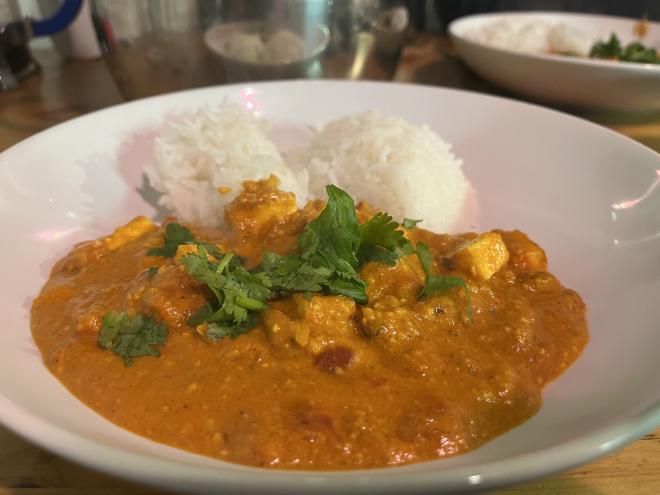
[(157, 46)]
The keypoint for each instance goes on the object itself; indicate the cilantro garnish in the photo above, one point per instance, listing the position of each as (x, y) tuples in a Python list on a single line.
[(382, 241), (238, 293), (217, 330), (636, 52), (607, 49), (435, 284), (409, 223), (175, 235), (131, 336), (331, 251), (633, 52), (330, 243), (291, 273)]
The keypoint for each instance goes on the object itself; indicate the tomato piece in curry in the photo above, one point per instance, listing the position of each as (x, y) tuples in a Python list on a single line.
[(320, 383)]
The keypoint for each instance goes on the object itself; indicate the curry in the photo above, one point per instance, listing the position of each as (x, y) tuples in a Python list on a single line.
[(321, 381)]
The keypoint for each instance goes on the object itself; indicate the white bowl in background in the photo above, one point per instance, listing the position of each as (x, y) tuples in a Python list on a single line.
[(572, 81)]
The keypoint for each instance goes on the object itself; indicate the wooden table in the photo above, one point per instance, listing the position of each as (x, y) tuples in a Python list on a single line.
[(66, 90)]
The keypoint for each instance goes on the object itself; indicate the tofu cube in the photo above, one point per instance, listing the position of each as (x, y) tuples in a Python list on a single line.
[(482, 257), (524, 254), (184, 249), (132, 230)]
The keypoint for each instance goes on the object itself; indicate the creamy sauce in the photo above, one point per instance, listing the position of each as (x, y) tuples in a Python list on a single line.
[(319, 384)]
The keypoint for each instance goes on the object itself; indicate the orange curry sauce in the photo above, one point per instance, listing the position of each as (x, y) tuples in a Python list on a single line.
[(319, 384)]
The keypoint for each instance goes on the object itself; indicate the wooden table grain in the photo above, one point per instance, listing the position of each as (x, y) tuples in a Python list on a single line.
[(66, 90)]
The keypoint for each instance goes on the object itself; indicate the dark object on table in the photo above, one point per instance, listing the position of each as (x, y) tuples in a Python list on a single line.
[(16, 62)]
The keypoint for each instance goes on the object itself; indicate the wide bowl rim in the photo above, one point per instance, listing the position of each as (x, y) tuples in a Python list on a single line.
[(158, 471)]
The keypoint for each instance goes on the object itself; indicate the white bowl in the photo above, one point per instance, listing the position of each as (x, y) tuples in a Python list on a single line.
[(588, 195), (573, 81)]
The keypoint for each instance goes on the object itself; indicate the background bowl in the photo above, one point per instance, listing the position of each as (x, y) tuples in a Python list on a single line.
[(572, 81)]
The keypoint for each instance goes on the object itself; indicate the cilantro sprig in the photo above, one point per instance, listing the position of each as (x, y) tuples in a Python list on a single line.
[(633, 52), (238, 294), (330, 244), (331, 252), (291, 273), (175, 235), (130, 336), (382, 241)]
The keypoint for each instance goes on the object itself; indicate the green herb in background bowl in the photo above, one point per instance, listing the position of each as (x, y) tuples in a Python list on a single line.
[(633, 52)]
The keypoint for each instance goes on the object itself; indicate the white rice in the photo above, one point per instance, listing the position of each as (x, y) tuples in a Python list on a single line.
[(212, 149), (405, 169), (537, 36)]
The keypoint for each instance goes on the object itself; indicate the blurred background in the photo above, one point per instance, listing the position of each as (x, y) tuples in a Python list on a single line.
[(157, 46)]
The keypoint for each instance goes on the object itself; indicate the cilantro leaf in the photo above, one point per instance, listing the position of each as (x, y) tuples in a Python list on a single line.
[(238, 293), (409, 223), (218, 330), (201, 315), (336, 246), (291, 273), (381, 240), (434, 284), (371, 252), (333, 236), (633, 52), (636, 52), (131, 336), (175, 235), (607, 49), (407, 249), (330, 244), (353, 288)]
